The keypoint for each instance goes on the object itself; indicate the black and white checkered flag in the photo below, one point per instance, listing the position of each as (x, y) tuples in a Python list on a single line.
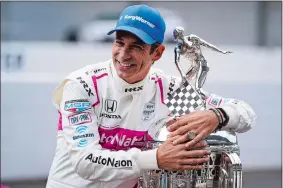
[(184, 100)]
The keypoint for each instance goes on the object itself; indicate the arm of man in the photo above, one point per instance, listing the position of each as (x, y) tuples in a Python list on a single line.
[(202, 123), (89, 159), (241, 115)]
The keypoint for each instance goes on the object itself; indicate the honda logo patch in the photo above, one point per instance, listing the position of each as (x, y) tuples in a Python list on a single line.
[(110, 106)]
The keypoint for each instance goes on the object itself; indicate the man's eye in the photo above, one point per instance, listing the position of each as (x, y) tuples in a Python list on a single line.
[(138, 47), (119, 42)]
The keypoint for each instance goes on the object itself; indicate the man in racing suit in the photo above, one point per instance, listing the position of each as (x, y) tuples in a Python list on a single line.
[(107, 108)]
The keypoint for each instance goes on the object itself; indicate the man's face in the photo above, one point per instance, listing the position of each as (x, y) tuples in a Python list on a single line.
[(132, 58)]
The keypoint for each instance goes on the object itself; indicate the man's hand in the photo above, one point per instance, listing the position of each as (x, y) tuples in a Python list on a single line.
[(170, 157), (202, 123)]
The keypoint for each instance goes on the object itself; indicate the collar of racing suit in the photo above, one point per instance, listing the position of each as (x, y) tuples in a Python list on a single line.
[(146, 87)]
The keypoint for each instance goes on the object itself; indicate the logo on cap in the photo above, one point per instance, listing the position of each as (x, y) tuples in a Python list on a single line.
[(140, 19)]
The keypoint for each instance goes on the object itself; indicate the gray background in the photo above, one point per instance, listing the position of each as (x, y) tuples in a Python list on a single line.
[(233, 23), (36, 29)]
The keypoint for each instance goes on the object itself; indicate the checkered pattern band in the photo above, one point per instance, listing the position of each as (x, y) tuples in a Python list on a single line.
[(184, 100)]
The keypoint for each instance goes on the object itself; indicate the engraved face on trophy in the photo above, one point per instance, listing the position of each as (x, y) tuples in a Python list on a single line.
[(178, 34)]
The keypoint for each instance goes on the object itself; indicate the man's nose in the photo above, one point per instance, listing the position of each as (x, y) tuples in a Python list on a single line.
[(124, 54)]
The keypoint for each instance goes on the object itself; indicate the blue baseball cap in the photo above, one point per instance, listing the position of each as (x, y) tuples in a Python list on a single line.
[(143, 21)]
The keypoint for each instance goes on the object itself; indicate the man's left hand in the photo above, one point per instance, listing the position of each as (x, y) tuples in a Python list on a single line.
[(201, 123)]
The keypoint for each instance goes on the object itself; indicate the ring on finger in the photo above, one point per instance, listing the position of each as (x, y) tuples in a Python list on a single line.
[(191, 135)]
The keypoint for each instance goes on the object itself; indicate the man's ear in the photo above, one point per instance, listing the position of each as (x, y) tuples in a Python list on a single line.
[(158, 52)]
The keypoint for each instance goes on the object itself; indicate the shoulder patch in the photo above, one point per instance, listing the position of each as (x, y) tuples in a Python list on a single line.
[(85, 86), (214, 100)]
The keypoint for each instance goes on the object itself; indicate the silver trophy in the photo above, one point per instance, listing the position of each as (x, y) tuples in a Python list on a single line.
[(224, 170), (190, 48)]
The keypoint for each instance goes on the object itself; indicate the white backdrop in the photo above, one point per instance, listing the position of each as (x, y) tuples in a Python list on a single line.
[(30, 71)]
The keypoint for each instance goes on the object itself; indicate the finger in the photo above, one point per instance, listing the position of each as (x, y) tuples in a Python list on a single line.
[(180, 140), (199, 145), (183, 130), (195, 153), (180, 131), (172, 139), (174, 120), (180, 122), (171, 122), (194, 161), (174, 126), (198, 138), (184, 138), (182, 126)]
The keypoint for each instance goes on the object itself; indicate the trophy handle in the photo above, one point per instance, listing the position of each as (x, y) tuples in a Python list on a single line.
[(235, 174)]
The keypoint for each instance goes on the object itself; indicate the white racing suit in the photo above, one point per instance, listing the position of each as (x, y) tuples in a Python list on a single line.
[(101, 119)]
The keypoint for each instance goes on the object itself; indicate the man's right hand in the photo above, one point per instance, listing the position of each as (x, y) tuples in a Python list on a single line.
[(178, 157)]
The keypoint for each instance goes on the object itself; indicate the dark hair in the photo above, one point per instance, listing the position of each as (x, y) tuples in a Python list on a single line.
[(153, 47)]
